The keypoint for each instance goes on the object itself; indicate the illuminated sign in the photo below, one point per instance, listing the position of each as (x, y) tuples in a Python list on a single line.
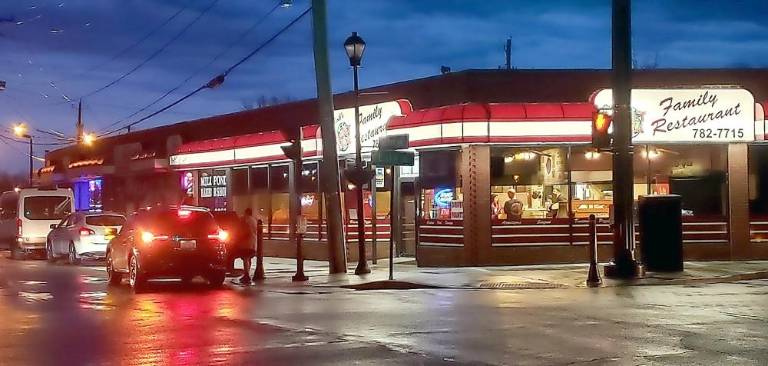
[(444, 197), (373, 124), (213, 185), (688, 115), (307, 200)]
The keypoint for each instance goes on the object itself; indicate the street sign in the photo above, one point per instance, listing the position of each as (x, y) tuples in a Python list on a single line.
[(394, 142), (395, 158)]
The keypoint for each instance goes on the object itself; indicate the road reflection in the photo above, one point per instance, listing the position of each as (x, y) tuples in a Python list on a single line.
[(175, 324)]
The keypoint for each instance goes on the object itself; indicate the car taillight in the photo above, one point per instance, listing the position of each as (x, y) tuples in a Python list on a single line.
[(148, 237), (84, 231), (18, 227), (221, 235)]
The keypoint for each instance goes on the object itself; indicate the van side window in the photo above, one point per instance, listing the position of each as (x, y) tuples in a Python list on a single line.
[(8, 209)]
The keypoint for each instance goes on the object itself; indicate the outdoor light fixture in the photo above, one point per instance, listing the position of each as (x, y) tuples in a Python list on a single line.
[(286, 3), (355, 47), (20, 130), (592, 155), (89, 138)]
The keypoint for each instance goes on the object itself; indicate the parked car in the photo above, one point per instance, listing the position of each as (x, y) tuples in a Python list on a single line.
[(177, 242), (234, 225), (83, 235), (26, 217)]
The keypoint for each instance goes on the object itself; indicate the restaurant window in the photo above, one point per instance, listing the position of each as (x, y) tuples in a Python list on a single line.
[(240, 196), (259, 193), (529, 183), (441, 194), (279, 208), (591, 183), (758, 180)]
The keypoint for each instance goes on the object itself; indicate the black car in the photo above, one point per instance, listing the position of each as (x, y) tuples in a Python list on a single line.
[(237, 231), (161, 242)]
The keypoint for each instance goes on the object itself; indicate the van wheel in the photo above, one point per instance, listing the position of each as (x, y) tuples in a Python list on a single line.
[(73, 258), (16, 252)]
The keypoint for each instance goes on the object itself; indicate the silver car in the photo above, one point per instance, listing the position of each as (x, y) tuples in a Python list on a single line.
[(83, 235)]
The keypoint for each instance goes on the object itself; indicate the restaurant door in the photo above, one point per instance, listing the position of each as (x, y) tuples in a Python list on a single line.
[(407, 236)]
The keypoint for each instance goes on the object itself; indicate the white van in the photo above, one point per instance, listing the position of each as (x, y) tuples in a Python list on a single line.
[(26, 217)]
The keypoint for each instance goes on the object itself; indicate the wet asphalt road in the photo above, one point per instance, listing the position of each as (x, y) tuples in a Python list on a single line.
[(61, 315)]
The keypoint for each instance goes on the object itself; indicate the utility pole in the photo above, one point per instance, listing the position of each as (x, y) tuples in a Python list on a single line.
[(329, 170), (79, 125), (508, 53), (624, 264)]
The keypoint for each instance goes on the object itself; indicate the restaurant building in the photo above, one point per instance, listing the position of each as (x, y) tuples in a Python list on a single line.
[(504, 177)]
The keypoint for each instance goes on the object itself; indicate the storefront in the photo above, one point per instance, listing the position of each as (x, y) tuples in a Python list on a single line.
[(514, 183)]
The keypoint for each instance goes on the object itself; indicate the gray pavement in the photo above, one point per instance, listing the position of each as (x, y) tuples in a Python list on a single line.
[(56, 314)]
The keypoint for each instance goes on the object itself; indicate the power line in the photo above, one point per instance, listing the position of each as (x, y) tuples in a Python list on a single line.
[(154, 54), (197, 72), (218, 80), (138, 42)]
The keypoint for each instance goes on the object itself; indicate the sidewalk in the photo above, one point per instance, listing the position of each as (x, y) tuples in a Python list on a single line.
[(408, 275)]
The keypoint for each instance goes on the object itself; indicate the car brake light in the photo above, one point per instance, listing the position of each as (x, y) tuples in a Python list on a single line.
[(148, 237), (221, 235), (84, 231), (18, 227)]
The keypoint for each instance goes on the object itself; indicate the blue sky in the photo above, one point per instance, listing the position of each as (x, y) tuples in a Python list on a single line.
[(50, 48)]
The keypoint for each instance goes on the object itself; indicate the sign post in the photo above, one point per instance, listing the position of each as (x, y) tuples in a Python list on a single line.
[(387, 155)]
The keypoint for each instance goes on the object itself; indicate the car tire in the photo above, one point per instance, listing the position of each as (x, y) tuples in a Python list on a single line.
[(136, 279), (72, 257), (114, 278), (217, 279), (16, 252), (49, 252)]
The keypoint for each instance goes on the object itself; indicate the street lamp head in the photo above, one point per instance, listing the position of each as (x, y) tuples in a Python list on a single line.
[(89, 138), (354, 46), (20, 130), (286, 3)]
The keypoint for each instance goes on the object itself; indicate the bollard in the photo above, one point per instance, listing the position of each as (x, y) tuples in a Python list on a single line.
[(593, 278), (299, 276), (258, 274)]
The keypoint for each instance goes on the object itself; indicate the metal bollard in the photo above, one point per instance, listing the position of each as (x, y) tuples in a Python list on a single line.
[(258, 274), (593, 278), (299, 276)]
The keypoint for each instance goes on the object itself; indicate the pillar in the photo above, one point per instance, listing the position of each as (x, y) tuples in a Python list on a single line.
[(476, 185), (738, 201)]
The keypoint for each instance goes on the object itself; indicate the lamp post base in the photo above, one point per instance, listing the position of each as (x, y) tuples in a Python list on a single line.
[(362, 268), (629, 269), (299, 277)]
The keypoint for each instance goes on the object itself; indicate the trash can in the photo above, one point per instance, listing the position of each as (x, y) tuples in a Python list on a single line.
[(661, 232)]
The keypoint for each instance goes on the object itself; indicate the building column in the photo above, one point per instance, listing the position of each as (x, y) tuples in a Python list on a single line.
[(738, 201), (476, 185)]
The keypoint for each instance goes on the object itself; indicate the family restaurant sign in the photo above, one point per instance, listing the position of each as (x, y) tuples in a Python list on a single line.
[(688, 115), (373, 125)]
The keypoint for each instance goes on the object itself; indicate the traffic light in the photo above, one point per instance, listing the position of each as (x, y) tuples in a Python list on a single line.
[(601, 124), (292, 151)]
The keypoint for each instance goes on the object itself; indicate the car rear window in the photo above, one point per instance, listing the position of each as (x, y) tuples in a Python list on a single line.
[(47, 207), (170, 222), (105, 220)]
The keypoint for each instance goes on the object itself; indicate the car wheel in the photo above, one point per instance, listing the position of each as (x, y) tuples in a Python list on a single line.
[(135, 278), (216, 279), (16, 252), (49, 252), (114, 277), (73, 258)]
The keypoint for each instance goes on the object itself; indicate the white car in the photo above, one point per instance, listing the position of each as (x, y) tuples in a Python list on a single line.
[(83, 235)]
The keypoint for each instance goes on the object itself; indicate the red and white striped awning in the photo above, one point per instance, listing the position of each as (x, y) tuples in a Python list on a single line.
[(519, 123)]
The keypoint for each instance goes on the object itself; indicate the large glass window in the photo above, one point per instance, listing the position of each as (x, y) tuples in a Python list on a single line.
[(278, 178), (591, 189), (758, 180), (441, 194), (529, 183)]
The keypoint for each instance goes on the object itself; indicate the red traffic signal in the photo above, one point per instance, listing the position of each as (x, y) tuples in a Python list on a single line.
[(601, 125)]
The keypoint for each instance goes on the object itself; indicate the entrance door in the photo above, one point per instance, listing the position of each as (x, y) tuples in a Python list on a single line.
[(408, 213)]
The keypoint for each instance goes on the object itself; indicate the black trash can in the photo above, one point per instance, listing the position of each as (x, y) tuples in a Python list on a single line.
[(661, 232)]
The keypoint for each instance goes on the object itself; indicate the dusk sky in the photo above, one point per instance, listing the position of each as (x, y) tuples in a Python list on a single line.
[(68, 47)]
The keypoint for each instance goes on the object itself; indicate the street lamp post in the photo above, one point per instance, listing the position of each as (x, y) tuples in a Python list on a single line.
[(354, 45), (20, 130)]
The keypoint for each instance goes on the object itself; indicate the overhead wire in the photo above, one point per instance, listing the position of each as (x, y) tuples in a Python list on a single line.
[(137, 42), (199, 70), (157, 52), (218, 80)]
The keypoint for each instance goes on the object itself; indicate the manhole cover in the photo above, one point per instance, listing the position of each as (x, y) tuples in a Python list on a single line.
[(521, 285)]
